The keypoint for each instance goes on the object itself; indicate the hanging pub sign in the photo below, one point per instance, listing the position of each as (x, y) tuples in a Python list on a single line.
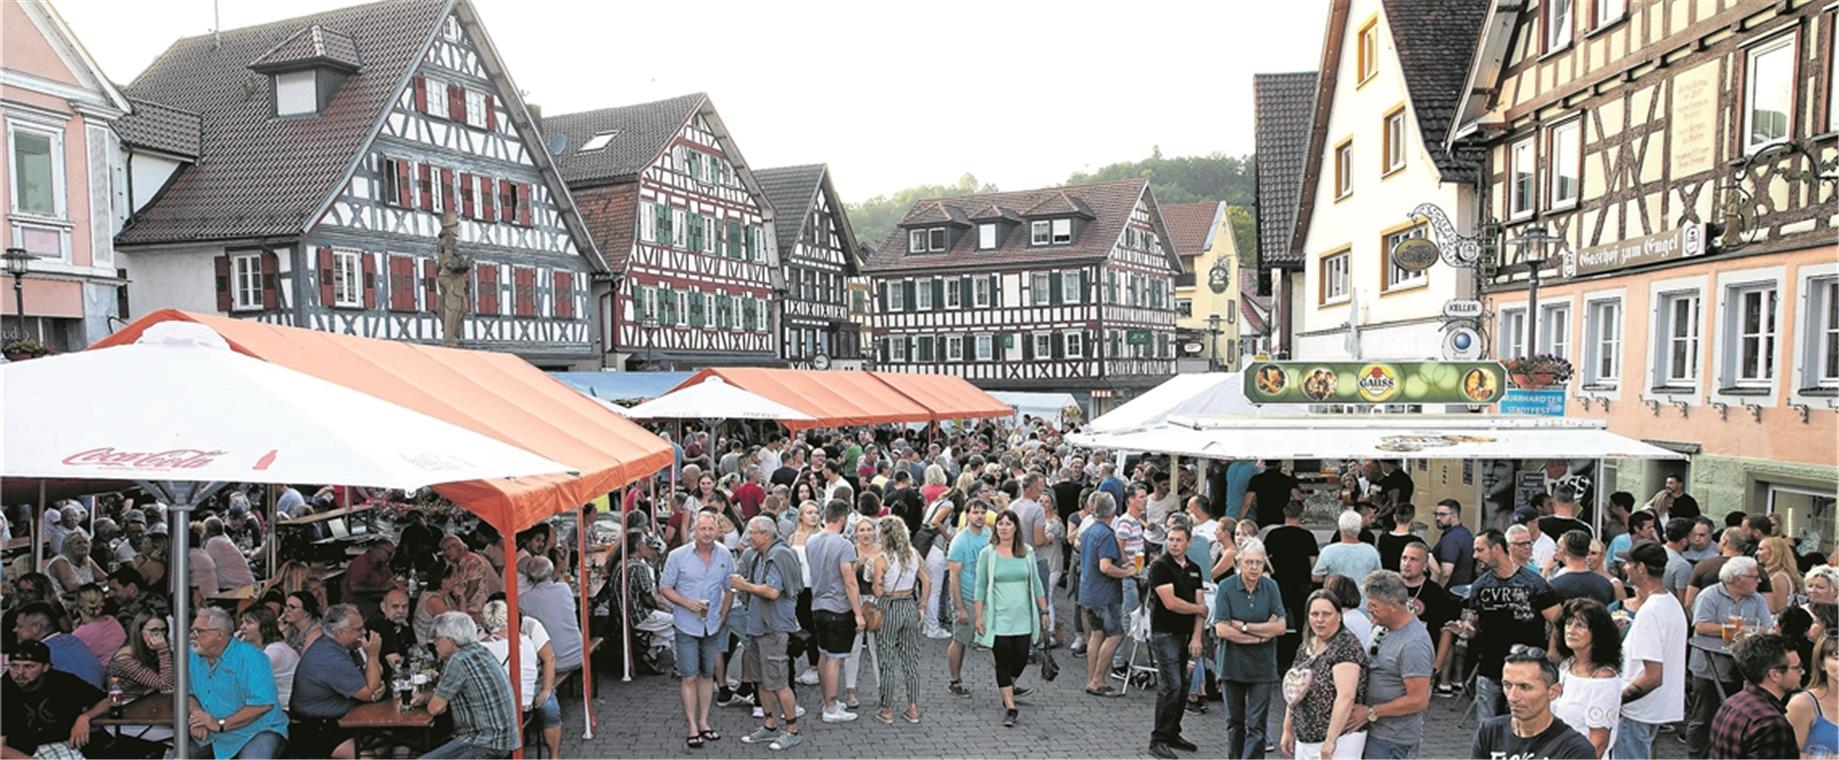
[(1415, 254), (1411, 382), (1682, 243), (1219, 276)]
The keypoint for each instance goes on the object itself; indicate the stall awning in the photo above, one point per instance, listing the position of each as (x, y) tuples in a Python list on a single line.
[(497, 395), (948, 397), (1425, 436), (623, 386), (1195, 393), (834, 398)]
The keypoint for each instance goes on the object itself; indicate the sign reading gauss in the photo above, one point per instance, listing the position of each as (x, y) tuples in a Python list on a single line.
[(1421, 382)]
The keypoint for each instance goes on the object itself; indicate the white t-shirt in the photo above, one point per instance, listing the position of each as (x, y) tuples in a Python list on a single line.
[(1658, 635), (1588, 703), (527, 663), (1156, 517), (283, 659), (1543, 549)]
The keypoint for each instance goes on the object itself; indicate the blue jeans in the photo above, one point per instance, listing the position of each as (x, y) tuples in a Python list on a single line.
[(1380, 749), (1489, 699), (1171, 651), (1131, 604), (1248, 707), (266, 744), (460, 749), (1634, 740)]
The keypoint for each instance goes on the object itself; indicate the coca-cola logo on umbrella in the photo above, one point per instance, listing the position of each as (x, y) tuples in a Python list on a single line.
[(170, 459)]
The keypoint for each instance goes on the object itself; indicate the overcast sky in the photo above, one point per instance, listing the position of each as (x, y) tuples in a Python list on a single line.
[(889, 94)]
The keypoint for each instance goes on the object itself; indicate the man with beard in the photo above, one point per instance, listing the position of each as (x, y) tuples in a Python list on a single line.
[(46, 712), (392, 624)]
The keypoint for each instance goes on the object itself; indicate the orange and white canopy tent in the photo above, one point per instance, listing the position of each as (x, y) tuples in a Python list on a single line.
[(844, 398), (497, 395)]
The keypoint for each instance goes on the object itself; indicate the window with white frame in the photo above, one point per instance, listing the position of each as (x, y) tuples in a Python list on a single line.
[(1344, 169), (1043, 345), (1678, 346), (1522, 166), (347, 279), (986, 348), (1039, 233), (916, 241), (922, 295), (1820, 350), (1603, 336), (1555, 329), (1749, 335), (1608, 12), (1063, 231), (1334, 277), (1397, 276), (296, 92), (1184, 307), (1768, 93), (36, 160), (246, 281), (986, 236), (936, 239), (1069, 286), (475, 109), (1074, 342), (980, 292), (436, 91), (1557, 24), (1038, 287), (1511, 337), (1395, 141), (954, 348), (1567, 163), (954, 295), (897, 296), (897, 348), (450, 29)]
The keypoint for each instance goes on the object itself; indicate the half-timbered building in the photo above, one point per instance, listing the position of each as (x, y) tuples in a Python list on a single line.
[(687, 231), (330, 145), (817, 256), (1058, 289), (1682, 156)]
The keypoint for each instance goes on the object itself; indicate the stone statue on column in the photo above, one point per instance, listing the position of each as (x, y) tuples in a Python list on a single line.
[(454, 276)]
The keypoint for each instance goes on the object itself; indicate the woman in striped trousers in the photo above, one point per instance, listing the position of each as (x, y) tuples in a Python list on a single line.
[(899, 582)]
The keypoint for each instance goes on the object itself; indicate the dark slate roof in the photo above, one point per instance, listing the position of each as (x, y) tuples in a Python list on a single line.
[(160, 127), (1110, 204), (644, 130), (791, 190), (259, 176), (1434, 58), (312, 45), (1191, 225), (1283, 108)]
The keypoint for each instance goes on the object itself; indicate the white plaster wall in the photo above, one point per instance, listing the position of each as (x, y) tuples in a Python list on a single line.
[(148, 174), (1376, 205), (171, 279)]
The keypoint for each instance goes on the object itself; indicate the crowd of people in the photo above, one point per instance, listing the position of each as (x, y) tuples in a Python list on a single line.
[(762, 564)]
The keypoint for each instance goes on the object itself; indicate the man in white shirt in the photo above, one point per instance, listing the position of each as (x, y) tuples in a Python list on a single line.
[(1653, 656), (1162, 501)]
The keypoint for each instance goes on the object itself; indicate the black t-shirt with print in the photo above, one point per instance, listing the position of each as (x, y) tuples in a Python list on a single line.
[(1495, 740), (44, 715)]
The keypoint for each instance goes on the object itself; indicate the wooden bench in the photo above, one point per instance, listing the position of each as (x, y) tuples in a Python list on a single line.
[(569, 682)]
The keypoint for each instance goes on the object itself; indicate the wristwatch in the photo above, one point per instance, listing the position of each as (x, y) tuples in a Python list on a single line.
[(220, 725), (1244, 627), (1372, 714)]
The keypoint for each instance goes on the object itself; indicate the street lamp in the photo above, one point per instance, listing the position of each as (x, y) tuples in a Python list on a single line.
[(1534, 243), (650, 324), (18, 262), (1213, 326)]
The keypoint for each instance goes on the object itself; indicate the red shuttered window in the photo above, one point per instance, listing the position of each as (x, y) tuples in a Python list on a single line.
[(485, 279), (564, 288), (523, 291), (402, 283)]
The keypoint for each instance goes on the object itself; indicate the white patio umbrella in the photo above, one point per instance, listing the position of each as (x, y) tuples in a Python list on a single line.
[(182, 415), (715, 399)]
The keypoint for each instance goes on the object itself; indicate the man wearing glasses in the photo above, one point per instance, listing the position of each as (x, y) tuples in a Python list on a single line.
[(1511, 605), (1733, 597), (1752, 722), (234, 709)]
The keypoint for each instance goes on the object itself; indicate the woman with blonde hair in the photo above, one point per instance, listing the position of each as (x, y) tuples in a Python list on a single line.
[(935, 484), (868, 549), (73, 567), (96, 628), (1594, 560), (898, 582), (1776, 559), (1814, 713), (1822, 585)]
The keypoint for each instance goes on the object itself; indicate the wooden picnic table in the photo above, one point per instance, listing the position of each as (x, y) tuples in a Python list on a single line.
[(375, 719), (153, 709), (327, 515)]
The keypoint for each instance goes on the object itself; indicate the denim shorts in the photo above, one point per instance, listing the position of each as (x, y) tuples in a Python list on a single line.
[(696, 654), (1108, 619), (551, 711)]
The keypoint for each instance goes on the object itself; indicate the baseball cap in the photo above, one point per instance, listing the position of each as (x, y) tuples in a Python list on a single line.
[(1524, 514), (157, 529), (134, 516), (31, 651)]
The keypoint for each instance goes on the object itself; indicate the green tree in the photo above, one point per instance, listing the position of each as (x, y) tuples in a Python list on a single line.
[(1244, 234), (875, 219), (1184, 179)]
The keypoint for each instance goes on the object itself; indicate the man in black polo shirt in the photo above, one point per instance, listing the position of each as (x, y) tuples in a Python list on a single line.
[(1270, 491), (1175, 619)]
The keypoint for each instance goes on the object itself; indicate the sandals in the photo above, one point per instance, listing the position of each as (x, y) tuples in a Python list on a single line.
[(913, 718), (885, 717), (693, 742), (711, 735)]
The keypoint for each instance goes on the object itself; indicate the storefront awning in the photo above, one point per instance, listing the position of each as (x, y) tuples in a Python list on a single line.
[(1416, 436), (498, 395), (948, 397), (834, 398)]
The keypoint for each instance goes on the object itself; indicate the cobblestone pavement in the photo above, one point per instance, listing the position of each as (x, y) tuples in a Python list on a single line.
[(643, 718)]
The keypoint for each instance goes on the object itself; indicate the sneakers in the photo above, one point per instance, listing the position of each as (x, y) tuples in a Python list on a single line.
[(760, 713), (838, 715), (957, 689), (1446, 690), (1197, 707), (1021, 691), (761, 735), (808, 678), (1158, 749), (725, 697), (852, 703), (784, 742), (938, 633), (1009, 718), (1079, 643)]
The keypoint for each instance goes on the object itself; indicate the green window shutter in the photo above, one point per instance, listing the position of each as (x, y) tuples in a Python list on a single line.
[(1054, 294), (969, 297), (733, 249), (907, 294), (881, 293), (925, 348), (996, 293), (938, 295), (1059, 341), (881, 349), (1085, 284)]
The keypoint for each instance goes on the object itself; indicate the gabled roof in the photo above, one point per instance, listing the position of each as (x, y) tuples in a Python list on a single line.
[(312, 45), (1058, 204), (1255, 308), (643, 132), (1481, 84), (793, 191), (259, 176), (1283, 106), (73, 55), (1434, 58), (1191, 225), (1109, 202), (159, 127), (995, 212)]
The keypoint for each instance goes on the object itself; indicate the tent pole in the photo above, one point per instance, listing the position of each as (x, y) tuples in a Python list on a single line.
[(514, 630), (626, 542), (587, 662), (38, 530), (269, 540), (181, 621)]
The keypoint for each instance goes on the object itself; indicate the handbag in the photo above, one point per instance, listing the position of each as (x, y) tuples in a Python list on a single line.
[(1049, 668), (871, 616)]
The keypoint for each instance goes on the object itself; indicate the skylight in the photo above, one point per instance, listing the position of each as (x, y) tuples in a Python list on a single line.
[(599, 141)]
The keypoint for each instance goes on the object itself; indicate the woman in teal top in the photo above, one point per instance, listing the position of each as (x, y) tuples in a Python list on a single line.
[(1011, 606)]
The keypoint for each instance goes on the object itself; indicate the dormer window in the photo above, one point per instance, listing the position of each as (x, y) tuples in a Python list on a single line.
[(307, 68), (929, 240), (1051, 232), (296, 92), (1039, 233), (986, 236)]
